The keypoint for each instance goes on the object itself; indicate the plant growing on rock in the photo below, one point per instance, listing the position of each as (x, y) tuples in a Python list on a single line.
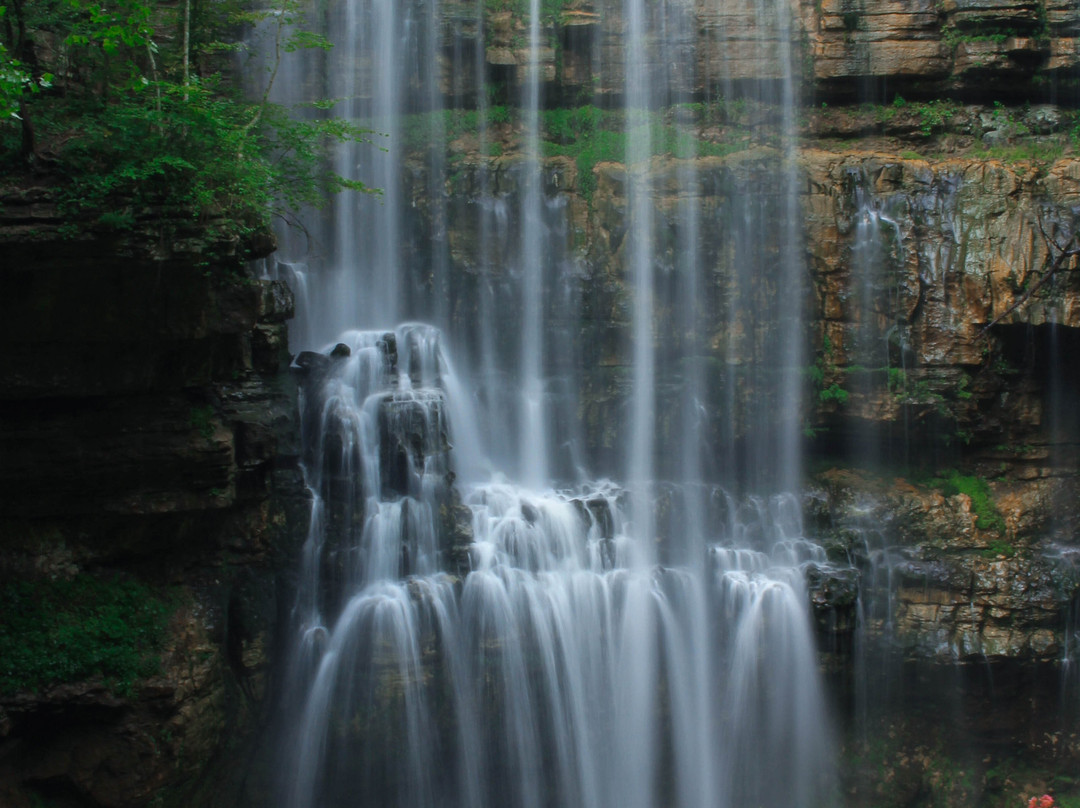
[(65, 631), (977, 490)]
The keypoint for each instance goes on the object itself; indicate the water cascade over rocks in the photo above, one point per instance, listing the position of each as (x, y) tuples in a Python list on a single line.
[(544, 663), (489, 614)]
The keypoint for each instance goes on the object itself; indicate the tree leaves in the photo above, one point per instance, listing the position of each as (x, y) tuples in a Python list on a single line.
[(146, 117)]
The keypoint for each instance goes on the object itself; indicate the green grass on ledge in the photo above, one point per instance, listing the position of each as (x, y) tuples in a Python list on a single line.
[(55, 632)]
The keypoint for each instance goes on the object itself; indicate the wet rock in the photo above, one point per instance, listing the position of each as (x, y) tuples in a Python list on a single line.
[(954, 591), (388, 346), (530, 513), (1043, 119), (340, 351), (413, 432), (276, 304), (169, 462), (455, 520), (600, 511), (834, 595), (308, 361)]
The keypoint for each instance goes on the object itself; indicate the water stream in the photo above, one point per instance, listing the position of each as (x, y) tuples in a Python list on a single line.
[(496, 607)]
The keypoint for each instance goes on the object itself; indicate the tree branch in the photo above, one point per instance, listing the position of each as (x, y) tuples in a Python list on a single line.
[(1071, 248), (269, 84)]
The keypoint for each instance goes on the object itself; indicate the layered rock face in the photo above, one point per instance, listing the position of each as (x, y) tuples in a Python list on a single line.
[(147, 431), (846, 49), (941, 335), (149, 439), (930, 349)]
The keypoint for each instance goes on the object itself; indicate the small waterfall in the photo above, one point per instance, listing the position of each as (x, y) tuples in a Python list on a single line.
[(872, 369)]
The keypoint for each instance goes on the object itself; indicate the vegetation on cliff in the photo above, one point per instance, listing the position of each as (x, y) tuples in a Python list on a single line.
[(130, 106), (65, 631)]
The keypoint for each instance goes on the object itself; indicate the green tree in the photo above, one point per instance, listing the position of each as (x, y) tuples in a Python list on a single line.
[(143, 111)]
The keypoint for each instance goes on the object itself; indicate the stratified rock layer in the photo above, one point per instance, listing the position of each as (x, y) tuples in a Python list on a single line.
[(840, 49), (149, 431), (952, 346)]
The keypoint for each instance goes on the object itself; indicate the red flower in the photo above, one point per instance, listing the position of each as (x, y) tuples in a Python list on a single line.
[(1046, 801)]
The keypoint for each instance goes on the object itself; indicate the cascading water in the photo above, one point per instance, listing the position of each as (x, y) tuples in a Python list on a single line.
[(876, 253), (464, 638)]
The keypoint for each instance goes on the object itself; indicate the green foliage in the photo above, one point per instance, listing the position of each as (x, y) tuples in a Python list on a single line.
[(897, 379), (66, 631), (833, 392), (1023, 152), (588, 134), (16, 82), (978, 490), (998, 547), (953, 36), (824, 367), (934, 115), (499, 114), (142, 127), (962, 391), (592, 135), (828, 350), (202, 420), (1003, 368)]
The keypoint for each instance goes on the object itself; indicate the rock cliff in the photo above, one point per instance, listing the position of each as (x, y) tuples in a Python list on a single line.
[(853, 50), (149, 444), (149, 434)]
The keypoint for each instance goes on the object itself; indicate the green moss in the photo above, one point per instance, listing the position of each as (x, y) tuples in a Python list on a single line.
[(202, 420), (588, 134), (1026, 151), (66, 631), (897, 379), (998, 548), (978, 490)]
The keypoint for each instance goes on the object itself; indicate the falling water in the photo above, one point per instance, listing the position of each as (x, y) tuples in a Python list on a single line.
[(638, 152), (483, 617), (876, 253), (534, 466)]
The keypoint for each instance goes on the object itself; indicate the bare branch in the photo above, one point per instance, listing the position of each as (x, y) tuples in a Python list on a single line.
[(1071, 248)]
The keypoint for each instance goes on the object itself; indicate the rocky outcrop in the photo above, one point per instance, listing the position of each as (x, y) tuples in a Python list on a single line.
[(941, 331), (949, 576), (839, 49), (148, 434)]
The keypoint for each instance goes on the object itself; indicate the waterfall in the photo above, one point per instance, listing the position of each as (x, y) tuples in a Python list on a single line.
[(876, 256), (533, 468), (496, 607)]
